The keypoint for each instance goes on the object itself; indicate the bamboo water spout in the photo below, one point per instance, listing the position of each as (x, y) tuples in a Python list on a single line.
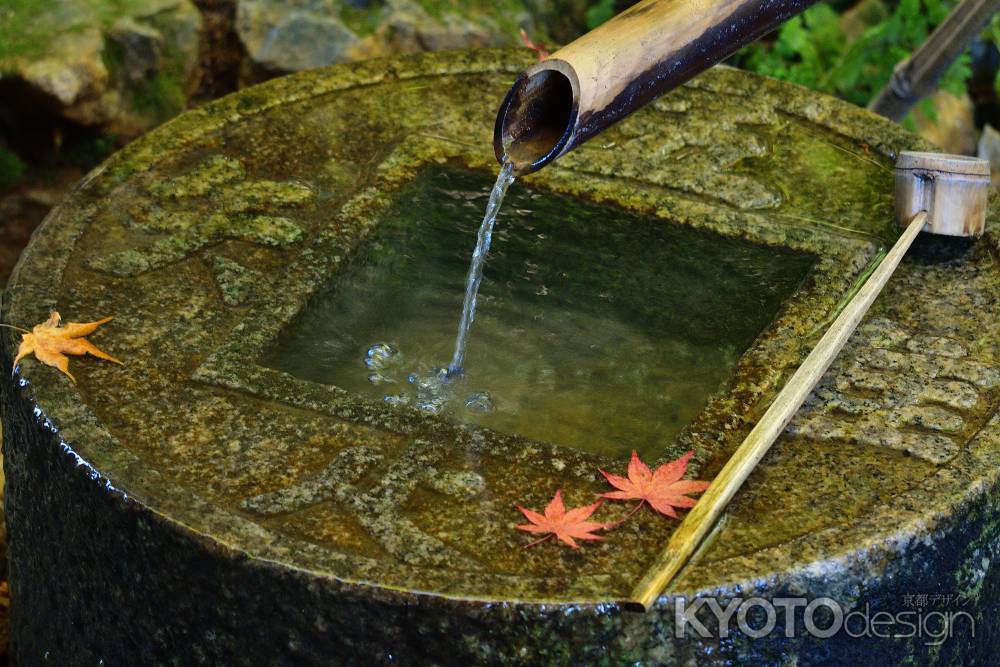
[(620, 66)]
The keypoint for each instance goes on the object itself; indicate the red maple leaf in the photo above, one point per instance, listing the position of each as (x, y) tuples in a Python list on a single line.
[(564, 524), (538, 48), (663, 490)]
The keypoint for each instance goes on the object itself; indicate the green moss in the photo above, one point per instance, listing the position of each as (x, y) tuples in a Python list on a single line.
[(11, 169), (160, 98), (203, 179), (506, 13), (236, 282), (242, 207), (164, 95), (28, 27), (503, 13), (112, 57), (434, 8)]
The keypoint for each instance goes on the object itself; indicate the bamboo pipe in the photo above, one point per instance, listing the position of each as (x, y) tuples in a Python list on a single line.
[(941, 194), (595, 81)]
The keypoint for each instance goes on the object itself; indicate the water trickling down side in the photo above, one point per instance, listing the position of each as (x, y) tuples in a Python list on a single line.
[(475, 276)]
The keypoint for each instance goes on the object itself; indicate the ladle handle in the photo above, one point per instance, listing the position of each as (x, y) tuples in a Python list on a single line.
[(703, 516)]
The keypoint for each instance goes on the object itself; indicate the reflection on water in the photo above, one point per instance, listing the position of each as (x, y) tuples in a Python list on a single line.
[(596, 328)]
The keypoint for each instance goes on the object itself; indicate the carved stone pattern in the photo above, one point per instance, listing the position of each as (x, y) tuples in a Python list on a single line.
[(377, 508), (213, 202), (915, 393)]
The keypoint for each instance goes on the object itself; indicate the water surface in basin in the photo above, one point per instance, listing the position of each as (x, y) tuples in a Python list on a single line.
[(596, 329)]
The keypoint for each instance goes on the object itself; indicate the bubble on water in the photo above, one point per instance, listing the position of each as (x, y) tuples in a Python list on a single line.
[(423, 383), (432, 406), (433, 389), (479, 401), (397, 399), (380, 355)]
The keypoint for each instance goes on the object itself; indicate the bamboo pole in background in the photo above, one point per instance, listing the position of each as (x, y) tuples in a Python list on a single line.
[(918, 76)]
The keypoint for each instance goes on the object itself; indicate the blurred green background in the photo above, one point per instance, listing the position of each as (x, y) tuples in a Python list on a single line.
[(79, 78)]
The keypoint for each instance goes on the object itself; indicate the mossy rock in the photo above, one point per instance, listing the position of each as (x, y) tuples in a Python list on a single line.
[(120, 66), (290, 36)]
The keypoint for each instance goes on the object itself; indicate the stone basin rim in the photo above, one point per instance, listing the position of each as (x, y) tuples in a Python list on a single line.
[(108, 481), (904, 534)]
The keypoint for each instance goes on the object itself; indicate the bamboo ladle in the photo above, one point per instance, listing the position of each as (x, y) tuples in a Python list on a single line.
[(941, 194)]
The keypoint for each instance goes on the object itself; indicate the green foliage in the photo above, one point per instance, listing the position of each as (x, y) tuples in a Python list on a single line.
[(599, 12), (90, 151), (11, 169), (812, 50), (993, 29), (992, 34), (804, 50)]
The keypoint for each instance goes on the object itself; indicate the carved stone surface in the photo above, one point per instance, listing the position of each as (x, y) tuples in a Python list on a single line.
[(214, 510)]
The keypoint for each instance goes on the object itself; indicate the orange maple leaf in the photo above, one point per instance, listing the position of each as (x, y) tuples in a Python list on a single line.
[(538, 48), (663, 490), (50, 343), (564, 524)]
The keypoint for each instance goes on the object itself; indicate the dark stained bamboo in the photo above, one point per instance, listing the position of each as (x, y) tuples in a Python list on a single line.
[(918, 76), (622, 65)]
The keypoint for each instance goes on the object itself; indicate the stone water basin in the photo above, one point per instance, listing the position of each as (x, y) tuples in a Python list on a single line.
[(241, 489)]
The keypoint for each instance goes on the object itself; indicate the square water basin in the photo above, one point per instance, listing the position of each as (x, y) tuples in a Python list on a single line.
[(596, 329)]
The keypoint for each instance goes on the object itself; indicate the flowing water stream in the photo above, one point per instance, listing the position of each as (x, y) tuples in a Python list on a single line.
[(475, 276)]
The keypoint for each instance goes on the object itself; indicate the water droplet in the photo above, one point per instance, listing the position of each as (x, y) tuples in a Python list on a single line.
[(479, 401), (397, 399), (425, 384), (432, 406)]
